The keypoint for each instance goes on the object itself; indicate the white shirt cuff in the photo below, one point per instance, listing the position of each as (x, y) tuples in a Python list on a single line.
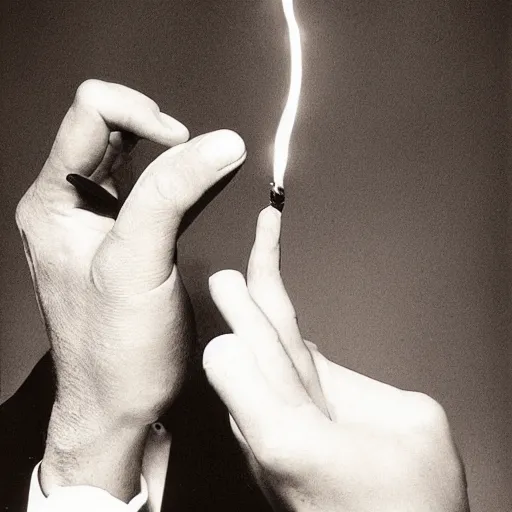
[(81, 498)]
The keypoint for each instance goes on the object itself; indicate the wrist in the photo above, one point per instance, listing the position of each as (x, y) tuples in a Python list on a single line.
[(91, 449)]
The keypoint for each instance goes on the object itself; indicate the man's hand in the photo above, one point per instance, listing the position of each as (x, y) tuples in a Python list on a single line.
[(319, 436), (114, 306)]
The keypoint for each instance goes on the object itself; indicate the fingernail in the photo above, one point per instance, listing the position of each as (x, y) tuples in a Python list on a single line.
[(116, 140), (223, 148)]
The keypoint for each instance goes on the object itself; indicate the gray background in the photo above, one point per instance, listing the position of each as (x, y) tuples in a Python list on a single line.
[(395, 231)]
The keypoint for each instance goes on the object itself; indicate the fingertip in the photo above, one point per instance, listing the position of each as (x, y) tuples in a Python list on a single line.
[(178, 131), (221, 350), (225, 148), (225, 279), (265, 252), (269, 225), (232, 140), (269, 212)]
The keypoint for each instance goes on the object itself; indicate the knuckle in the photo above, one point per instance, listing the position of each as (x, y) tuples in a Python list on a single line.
[(89, 92), (428, 415), (428, 437), (24, 214), (21, 214)]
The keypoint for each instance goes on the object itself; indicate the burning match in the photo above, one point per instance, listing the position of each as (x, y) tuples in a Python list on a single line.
[(284, 130), (277, 197)]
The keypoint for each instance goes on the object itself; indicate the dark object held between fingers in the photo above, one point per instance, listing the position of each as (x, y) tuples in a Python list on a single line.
[(93, 194)]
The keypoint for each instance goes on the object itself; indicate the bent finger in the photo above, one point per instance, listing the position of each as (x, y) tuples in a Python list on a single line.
[(120, 145), (83, 137)]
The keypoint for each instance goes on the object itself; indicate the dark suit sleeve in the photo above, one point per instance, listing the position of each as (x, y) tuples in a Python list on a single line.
[(23, 425), (207, 471)]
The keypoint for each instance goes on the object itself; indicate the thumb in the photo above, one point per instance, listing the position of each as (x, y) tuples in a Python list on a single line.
[(233, 372), (138, 253)]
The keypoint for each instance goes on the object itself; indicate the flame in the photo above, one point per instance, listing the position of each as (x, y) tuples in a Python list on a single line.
[(284, 130)]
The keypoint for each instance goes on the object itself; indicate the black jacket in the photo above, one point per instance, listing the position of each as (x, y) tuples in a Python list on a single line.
[(206, 470)]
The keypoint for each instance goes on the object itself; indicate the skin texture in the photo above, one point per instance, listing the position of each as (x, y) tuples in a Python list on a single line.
[(317, 436), (351, 444), (115, 309)]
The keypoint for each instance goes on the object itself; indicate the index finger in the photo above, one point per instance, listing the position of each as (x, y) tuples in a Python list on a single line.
[(98, 109), (268, 291)]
